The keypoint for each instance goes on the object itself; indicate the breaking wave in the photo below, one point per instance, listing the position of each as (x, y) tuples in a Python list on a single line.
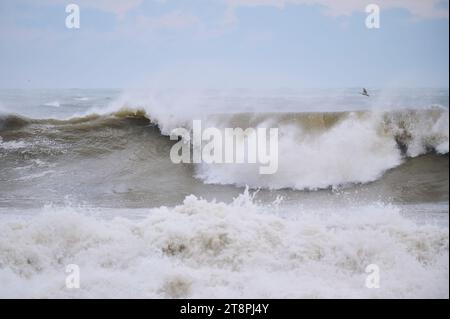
[(316, 150)]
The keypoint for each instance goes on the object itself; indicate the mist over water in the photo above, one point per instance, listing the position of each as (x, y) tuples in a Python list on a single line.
[(86, 178)]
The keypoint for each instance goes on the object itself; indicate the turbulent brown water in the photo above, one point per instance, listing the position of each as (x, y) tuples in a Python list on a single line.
[(124, 155)]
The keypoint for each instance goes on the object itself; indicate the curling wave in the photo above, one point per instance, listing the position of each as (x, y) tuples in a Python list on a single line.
[(316, 150)]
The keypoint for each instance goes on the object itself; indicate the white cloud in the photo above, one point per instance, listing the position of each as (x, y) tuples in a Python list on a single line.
[(176, 20), (421, 9), (116, 7)]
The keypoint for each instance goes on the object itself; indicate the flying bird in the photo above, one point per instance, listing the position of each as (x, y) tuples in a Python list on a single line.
[(364, 92)]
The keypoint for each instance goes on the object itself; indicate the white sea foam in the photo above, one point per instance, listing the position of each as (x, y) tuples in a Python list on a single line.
[(238, 250), (12, 145), (350, 152)]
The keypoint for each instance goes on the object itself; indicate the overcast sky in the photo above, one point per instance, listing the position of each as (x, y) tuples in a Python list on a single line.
[(223, 44)]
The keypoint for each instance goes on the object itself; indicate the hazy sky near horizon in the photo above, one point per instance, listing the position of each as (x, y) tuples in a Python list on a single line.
[(223, 44)]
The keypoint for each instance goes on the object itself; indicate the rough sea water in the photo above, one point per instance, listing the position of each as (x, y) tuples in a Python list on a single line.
[(86, 179)]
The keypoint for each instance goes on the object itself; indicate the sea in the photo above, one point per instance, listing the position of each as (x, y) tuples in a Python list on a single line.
[(358, 208)]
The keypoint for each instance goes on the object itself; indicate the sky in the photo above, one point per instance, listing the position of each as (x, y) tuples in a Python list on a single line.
[(223, 44)]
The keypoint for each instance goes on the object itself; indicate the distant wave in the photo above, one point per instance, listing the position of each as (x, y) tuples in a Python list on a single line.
[(53, 104)]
